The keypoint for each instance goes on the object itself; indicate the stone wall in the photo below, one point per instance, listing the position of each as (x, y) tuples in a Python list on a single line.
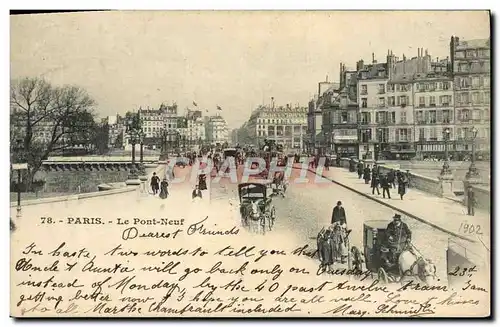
[(482, 195), (82, 178)]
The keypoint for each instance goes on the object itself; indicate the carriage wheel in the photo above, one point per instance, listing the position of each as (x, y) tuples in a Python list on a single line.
[(382, 276)]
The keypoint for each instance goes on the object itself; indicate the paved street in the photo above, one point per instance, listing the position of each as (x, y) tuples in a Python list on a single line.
[(300, 215), (308, 207)]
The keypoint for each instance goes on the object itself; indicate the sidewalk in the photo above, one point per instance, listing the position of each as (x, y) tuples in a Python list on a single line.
[(440, 213)]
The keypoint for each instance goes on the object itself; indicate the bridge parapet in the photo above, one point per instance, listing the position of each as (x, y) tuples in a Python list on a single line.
[(434, 185), (84, 174)]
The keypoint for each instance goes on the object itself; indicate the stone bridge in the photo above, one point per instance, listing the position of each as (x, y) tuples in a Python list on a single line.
[(84, 174)]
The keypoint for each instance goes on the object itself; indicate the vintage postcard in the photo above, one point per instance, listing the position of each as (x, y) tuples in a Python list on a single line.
[(250, 164)]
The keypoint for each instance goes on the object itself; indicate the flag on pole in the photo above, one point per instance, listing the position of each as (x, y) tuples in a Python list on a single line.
[(195, 104), (219, 108)]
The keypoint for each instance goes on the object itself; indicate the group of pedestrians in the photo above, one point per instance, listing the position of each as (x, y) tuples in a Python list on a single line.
[(386, 181), (160, 188)]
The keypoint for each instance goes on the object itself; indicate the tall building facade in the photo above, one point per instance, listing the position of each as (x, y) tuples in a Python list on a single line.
[(216, 130), (286, 126), (374, 113), (471, 67), (159, 126)]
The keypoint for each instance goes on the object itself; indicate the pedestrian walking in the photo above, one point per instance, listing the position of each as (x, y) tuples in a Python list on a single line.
[(401, 186), (338, 214), (327, 163), (164, 189), (366, 174), (374, 183), (391, 178), (360, 169), (196, 193), (155, 183), (384, 183)]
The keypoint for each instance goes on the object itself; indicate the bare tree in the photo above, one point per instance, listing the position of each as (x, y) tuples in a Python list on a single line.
[(62, 112)]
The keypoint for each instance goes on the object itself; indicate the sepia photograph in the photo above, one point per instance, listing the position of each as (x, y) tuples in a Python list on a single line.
[(249, 164)]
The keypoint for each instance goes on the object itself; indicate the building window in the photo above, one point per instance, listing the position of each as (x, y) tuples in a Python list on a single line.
[(476, 114), (445, 100), (446, 85), (447, 116), (364, 89), (402, 135), (421, 101), (432, 117), (403, 117), (404, 87), (486, 97), (366, 135), (391, 101), (432, 101), (421, 134), (381, 102), (343, 117), (402, 100), (366, 117), (381, 89), (433, 133), (364, 103), (390, 87)]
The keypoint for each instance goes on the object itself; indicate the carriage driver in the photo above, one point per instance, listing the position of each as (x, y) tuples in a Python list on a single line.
[(398, 238)]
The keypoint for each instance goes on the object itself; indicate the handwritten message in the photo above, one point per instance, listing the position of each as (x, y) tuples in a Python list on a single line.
[(173, 267)]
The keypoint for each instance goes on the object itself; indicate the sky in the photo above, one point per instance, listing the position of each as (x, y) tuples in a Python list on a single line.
[(235, 60)]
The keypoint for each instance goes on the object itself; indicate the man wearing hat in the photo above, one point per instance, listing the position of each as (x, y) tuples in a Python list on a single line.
[(338, 214), (398, 234)]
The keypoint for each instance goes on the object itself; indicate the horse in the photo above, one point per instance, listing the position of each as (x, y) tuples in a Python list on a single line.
[(413, 266), (252, 213)]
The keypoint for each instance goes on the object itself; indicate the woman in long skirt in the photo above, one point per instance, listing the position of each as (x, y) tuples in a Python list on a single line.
[(402, 186), (164, 189)]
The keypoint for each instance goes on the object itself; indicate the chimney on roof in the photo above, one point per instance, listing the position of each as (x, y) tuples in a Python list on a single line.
[(327, 78), (426, 53), (373, 57)]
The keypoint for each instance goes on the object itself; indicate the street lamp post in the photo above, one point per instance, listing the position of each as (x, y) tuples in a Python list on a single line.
[(473, 173), (446, 165), (379, 144), (134, 131), (141, 150), (19, 167)]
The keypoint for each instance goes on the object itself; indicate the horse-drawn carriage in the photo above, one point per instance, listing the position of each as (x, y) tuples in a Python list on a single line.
[(256, 208), (279, 184), (393, 261)]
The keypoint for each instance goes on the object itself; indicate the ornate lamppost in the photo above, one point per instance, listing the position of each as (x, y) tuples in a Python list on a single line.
[(446, 177), (134, 131), (445, 171), (379, 144), (473, 173)]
